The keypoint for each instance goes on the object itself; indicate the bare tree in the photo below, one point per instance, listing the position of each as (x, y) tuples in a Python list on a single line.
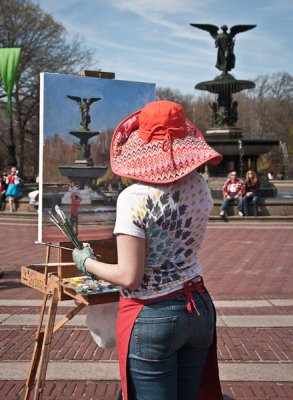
[(267, 109), (267, 112), (186, 101), (45, 48)]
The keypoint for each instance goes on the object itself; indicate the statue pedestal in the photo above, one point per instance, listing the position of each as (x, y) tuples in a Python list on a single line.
[(84, 153)]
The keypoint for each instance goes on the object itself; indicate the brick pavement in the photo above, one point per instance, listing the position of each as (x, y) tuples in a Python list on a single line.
[(234, 344), (240, 263), (61, 390), (108, 390)]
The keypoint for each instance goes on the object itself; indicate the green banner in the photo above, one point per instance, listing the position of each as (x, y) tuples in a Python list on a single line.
[(9, 60)]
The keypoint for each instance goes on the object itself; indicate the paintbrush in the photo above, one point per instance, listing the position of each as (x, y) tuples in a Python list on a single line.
[(59, 247)]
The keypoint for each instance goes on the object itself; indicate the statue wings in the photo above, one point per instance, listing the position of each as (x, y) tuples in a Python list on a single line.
[(92, 100), (74, 98), (213, 29), (79, 100), (240, 28)]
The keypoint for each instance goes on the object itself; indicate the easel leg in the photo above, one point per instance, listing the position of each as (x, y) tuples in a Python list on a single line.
[(39, 337), (46, 345)]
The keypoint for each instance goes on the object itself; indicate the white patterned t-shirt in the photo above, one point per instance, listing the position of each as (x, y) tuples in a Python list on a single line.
[(172, 219)]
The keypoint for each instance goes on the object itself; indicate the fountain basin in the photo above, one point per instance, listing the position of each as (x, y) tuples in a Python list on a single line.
[(230, 147), (82, 171), (225, 83), (239, 155)]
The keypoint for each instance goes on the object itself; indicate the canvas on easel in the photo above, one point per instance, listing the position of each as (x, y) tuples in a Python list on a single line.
[(78, 116)]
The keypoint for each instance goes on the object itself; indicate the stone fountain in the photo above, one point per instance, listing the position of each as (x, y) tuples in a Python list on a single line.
[(239, 154), (83, 171)]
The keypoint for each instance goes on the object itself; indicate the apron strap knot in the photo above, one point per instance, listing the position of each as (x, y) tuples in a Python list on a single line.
[(190, 287)]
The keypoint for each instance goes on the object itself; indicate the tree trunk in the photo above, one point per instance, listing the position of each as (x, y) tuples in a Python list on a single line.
[(21, 133), (11, 161)]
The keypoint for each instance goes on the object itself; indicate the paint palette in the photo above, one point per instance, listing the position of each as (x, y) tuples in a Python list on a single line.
[(85, 285)]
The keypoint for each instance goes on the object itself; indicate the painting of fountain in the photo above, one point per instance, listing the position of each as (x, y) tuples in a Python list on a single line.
[(78, 117), (224, 135), (83, 171)]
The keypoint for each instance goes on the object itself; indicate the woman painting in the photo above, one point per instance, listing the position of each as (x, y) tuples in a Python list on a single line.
[(166, 321)]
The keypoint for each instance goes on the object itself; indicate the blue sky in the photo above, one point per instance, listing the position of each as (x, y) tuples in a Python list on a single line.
[(152, 41), (118, 99)]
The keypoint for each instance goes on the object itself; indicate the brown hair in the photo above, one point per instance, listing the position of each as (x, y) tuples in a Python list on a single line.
[(252, 180)]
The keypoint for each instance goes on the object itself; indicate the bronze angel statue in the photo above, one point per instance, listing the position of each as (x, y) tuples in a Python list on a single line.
[(84, 106), (224, 42)]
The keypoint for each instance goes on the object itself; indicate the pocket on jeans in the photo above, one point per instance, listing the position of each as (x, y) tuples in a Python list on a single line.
[(153, 337)]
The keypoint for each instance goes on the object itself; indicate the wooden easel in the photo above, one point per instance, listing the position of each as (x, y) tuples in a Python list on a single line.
[(47, 278)]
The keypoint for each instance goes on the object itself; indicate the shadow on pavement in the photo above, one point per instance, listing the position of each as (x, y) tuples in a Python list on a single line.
[(10, 280), (10, 285)]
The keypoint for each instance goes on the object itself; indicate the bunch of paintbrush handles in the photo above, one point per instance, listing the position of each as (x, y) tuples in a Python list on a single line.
[(62, 223)]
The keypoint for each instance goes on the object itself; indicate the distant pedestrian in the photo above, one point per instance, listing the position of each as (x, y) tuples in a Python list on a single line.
[(233, 190), (75, 202), (3, 187), (13, 190), (270, 175)]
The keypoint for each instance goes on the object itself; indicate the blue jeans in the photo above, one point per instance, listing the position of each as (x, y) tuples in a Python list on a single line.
[(168, 349), (227, 202), (255, 201)]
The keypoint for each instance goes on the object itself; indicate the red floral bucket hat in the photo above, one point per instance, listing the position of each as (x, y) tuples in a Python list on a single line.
[(158, 144)]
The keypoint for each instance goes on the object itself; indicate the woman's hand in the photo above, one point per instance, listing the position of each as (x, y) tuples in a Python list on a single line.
[(80, 256)]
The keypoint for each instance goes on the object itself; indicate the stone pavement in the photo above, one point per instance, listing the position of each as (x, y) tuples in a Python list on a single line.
[(248, 270)]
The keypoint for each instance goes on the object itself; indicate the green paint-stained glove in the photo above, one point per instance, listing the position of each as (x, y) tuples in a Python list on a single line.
[(79, 257)]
